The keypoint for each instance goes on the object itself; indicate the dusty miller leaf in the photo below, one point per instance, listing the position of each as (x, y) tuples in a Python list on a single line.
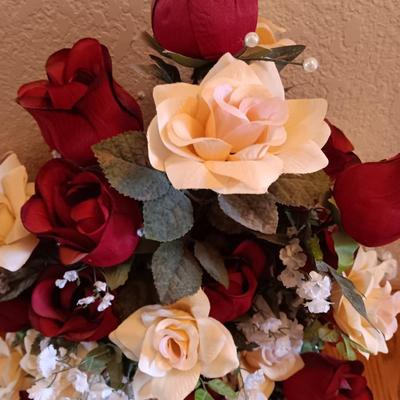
[(176, 272), (123, 159), (212, 261), (256, 212), (168, 218), (306, 190), (117, 276)]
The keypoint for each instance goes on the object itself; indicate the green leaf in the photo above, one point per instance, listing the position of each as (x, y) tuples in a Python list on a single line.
[(178, 58), (348, 347), (256, 212), (316, 248), (115, 369), (219, 220), (168, 218), (176, 272), (345, 248), (201, 394), (220, 387), (212, 261), (306, 190), (329, 335), (117, 276), (311, 340), (123, 159), (96, 360), (349, 291), (170, 73)]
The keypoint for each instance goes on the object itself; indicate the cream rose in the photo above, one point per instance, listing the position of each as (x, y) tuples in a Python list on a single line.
[(12, 378), (174, 345), (369, 275), (235, 132), (267, 31), (273, 371), (16, 243)]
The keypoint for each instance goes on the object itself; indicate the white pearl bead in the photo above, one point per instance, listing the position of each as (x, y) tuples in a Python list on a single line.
[(310, 64), (140, 232), (252, 39)]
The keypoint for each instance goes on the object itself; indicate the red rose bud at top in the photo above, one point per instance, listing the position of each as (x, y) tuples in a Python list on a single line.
[(88, 219), (55, 311), (325, 378), (80, 104), (204, 29), (245, 269), (339, 151), (368, 196)]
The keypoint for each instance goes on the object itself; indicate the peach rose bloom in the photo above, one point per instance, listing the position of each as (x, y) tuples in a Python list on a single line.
[(12, 378), (369, 275), (16, 243), (235, 132), (174, 345), (276, 371), (268, 31)]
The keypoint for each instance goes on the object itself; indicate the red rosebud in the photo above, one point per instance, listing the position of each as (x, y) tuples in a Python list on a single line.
[(204, 29), (244, 273), (80, 104), (326, 378), (339, 151), (14, 314), (54, 311), (368, 196), (90, 221)]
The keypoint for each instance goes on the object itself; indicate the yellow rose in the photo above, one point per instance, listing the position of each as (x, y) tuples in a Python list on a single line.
[(235, 132), (369, 275), (16, 243), (267, 32), (276, 371), (12, 378), (174, 345)]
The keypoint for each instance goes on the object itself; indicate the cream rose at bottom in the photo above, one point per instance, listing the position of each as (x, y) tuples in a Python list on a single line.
[(16, 243), (12, 377), (370, 275), (174, 345)]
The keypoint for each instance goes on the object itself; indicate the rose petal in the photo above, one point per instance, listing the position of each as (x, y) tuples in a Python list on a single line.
[(365, 187)]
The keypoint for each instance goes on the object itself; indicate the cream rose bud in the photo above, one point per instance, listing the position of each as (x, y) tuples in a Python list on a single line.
[(174, 345), (369, 275), (12, 378), (235, 132), (16, 243), (268, 31)]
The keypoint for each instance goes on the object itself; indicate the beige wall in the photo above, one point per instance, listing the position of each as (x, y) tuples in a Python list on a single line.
[(356, 41)]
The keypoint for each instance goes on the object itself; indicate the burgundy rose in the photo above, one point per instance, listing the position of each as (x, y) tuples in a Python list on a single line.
[(245, 269), (54, 311), (14, 314), (326, 378), (204, 29), (368, 196), (80, 104), (90, 221), (339, 151)]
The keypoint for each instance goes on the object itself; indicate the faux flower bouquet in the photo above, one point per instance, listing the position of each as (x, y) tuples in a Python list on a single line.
[(211, 256)]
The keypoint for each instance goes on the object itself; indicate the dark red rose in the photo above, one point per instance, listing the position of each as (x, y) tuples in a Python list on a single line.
[(90, 221), (14, 314), (244, 272), (54, 311), (368, 196), (204, 29), (80, 104), (339, 151), (326, 378)]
